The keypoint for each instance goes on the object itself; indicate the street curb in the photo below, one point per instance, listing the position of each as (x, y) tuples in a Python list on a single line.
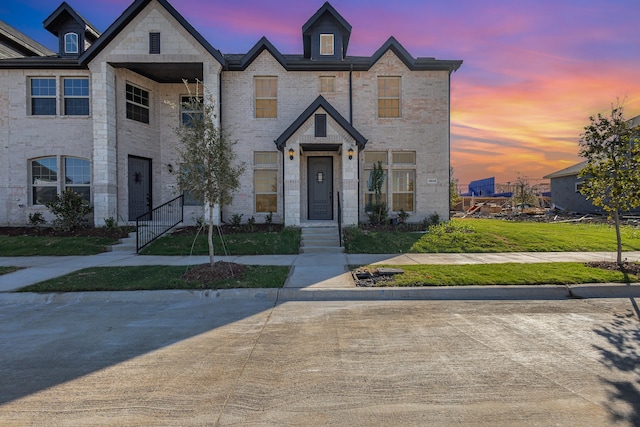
[(274, 295)]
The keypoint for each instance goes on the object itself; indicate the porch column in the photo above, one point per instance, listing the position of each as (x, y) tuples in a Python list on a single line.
[(349, 184), (292, 185), (103, 111)]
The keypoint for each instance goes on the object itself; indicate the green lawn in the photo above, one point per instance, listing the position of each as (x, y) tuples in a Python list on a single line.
[(6, 270), (561, 273), (493, 235), (286, 241), (53, 246), (155, 277)]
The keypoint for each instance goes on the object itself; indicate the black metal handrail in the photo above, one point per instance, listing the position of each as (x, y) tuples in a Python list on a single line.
[(156, 222), (339, 221)]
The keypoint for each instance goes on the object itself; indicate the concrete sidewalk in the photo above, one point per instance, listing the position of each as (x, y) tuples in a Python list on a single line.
[(311, 271)]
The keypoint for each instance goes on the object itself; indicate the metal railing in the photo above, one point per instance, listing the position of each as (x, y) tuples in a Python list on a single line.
[(339, 221), (156, 222)]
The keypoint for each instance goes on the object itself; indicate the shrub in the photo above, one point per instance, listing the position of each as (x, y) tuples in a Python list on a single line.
[(236, 219), (269, 218), (69, 209), (36, 219), (251, 222), (403, 216), (111, 223)]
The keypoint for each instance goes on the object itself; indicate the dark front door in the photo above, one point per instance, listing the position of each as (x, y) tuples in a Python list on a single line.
[(139, 187), (320, 181)]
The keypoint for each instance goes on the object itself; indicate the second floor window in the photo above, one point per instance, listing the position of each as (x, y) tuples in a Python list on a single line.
[(76, 97), (43, 96), (137, 104), (266, 97), (388, 96)]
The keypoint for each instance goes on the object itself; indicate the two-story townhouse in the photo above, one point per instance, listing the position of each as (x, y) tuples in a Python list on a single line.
[(100, 118)]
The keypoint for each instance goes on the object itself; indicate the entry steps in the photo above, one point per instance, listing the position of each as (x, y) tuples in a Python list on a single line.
[(320, 240)]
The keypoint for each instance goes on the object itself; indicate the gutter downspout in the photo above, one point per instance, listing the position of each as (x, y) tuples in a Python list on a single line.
[(358, 148)]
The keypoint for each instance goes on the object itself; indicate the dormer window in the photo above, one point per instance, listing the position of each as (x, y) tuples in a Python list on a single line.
[(326, 44), (71, 43)]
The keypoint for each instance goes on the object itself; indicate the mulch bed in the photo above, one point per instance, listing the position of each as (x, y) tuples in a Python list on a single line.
[(228, 229), (628, 267), (221, 270)]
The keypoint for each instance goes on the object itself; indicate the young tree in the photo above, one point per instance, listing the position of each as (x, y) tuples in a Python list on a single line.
[(208, 171), (612, 174), (523, 193), (454, 194)]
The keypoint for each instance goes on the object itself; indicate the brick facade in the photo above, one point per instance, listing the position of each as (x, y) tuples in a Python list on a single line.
[(107, 138)]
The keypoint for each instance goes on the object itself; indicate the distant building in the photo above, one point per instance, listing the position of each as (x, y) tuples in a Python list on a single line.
[(565, 187)]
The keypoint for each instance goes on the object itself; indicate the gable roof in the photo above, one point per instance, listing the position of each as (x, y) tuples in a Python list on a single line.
[(570, 171), (129, 14), (256, 50), (413, 64), (320, 102), (61, 14), (325, 9), (21, 43)]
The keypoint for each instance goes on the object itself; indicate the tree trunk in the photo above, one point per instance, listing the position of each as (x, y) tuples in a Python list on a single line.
[(616, 220), (210, 235)]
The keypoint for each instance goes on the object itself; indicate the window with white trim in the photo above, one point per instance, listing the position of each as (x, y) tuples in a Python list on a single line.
[(327, 84), (46, 178), (388, 96), (372, 158), (71, 43), (265, 181), (191, 107), (403, 181), (266, 93), (75, 96), (326, 44), (137, 103), (43, 96)]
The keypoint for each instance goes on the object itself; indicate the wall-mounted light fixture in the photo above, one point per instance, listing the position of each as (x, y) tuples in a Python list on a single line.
[(170, 167), (350, 153), (291, 153)]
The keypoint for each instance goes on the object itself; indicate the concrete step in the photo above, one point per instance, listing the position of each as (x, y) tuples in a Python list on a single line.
[(320, 240)]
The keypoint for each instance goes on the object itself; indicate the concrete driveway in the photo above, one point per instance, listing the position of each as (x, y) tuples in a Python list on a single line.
[(207, 358)]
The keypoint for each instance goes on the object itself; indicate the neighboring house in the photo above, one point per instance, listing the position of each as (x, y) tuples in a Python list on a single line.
[(565, 187), (14, 44), (100, 118), (565, 191)]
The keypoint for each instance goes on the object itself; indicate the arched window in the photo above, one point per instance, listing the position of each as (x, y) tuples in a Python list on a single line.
[(71, 43)]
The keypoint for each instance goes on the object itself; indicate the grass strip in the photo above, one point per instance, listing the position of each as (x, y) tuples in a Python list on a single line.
[(53, 246), (7, 270), (155, 277), (286, 241), (560, 273), (494, 235)]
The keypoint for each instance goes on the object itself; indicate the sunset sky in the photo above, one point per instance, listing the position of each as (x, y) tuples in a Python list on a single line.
[(533, 71)]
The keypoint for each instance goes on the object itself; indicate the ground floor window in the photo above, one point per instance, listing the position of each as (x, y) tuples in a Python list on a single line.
[(372, 159), (52, 175), (265, 181), (399, 179), (403, 190)]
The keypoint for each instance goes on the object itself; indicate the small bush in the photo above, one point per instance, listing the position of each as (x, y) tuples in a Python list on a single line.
[(111, 223), (251, 223), (36, 219), (236, 219), (434, 218), (69, 209), (269, 218), (403, 216)]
